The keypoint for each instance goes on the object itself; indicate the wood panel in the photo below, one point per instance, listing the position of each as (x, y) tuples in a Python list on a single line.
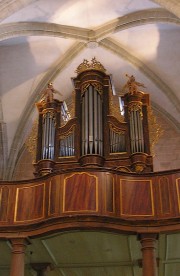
[(178, 192), (164, 196), (29, 203), (109, 193), (4, 202), (108, 198), (54, 196), (80, 193), (136, 198)]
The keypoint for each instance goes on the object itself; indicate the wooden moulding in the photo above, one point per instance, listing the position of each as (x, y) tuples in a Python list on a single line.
[(91, 199), (91, 160)]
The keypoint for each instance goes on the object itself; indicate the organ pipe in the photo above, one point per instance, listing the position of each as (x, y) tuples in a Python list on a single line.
[(95, 122), (83, 126), (48, 136), (136, 129), (117, 140), (67, 145), (92, 122), (100, 130), (86, 115)]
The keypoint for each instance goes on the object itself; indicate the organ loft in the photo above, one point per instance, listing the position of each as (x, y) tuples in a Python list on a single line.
[(93, 172)]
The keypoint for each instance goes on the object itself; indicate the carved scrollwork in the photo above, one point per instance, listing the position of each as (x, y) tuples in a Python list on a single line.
[(95, 84), (135, 106), (116, 130), (67, 133), (155, 130)]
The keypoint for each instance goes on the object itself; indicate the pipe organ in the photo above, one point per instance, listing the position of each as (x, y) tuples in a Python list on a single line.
[(98, 134)]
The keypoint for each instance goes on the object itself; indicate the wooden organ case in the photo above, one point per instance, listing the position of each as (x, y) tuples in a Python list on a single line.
[(96, 136)]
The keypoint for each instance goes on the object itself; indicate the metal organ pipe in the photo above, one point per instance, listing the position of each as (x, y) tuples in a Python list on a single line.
[(91, 137), (95, 122), (117, 140), (43, 149), (73, 143), (132, 133), (100, 125), (48, 137), (136, 131), (83, 126), (141, 132), (86, 115), (92, 122)]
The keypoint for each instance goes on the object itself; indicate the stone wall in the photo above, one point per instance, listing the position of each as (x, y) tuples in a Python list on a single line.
[(167, 150)]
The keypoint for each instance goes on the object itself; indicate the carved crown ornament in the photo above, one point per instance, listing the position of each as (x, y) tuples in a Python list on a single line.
[(93, 65)]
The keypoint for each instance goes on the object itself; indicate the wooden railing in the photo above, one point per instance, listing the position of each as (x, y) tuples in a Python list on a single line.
[(91, 198)]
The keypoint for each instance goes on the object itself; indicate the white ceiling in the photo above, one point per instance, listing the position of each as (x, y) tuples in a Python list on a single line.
[(42, 41)]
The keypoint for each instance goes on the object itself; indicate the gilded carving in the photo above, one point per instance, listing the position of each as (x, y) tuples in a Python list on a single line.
[(67, 133), (139, 168), (93, 65), (50, 111), (95, 84), (132, 85), (31, 141), (135, 106), (155, 129), (116, 130), (123, 169), (48, 93)]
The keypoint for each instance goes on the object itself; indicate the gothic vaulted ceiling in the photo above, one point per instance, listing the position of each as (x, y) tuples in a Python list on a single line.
[(42, 41)]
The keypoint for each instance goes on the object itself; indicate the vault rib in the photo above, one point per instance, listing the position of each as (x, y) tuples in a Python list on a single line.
[(149, 16), (116, 48)]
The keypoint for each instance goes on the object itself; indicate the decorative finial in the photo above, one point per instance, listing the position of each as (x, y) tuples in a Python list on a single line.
[(48, 93), (94, 65), (132, 85)]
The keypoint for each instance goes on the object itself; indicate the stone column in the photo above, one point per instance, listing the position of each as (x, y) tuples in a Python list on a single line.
[(149, 263), (17, 259)]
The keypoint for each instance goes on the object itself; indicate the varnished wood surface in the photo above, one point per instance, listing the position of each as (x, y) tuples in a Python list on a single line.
[(91, 198)]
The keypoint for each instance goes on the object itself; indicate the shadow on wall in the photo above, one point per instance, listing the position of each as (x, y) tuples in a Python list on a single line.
[(12, 74), (167, 150)]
